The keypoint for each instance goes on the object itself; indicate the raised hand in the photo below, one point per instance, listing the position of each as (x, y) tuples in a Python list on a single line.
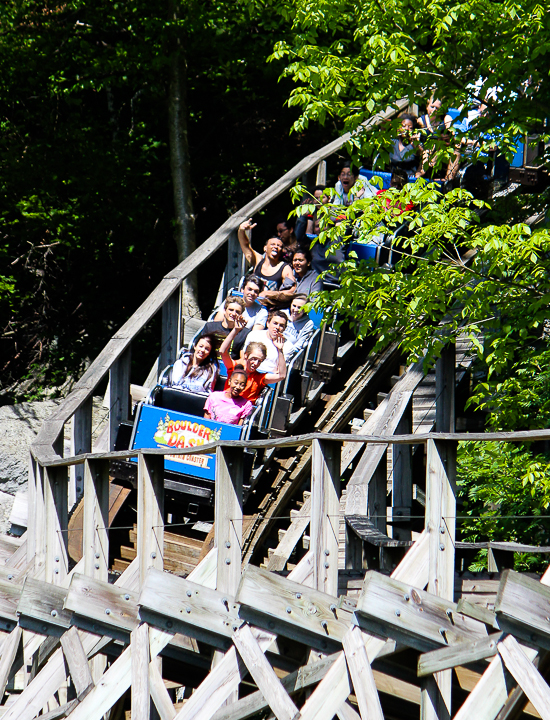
[(240, 322), (279, 342), (247, 225)]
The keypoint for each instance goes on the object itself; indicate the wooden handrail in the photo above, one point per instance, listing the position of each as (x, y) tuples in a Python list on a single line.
[(43, 449)]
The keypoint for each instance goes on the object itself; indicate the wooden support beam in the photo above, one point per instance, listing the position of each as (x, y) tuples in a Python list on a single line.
[(388, 607), (159, 693), (346, 712), (521, 607), (100, 605), (361, 675), (325, 514), (198, 611), (445, 386), (401, 478), (252, 704), (441, 522), (76, 659), (95, 525), (284, 549), (171, 330), (228, 524), (41, 608), (37, 515), (458, 654), (263, 674), (119, 393), (526, 675), (10, 648), (290, 609), (139, 644), (331, 693), (56, 488), (150, 526), (81, 442)]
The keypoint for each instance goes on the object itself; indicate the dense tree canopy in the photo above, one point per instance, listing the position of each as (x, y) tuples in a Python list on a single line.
[(87, 200)]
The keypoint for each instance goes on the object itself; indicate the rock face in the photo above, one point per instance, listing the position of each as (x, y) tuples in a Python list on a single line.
[(19, 425)]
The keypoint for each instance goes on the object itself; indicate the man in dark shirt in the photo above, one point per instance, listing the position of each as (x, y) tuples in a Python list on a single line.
[(307, 281)]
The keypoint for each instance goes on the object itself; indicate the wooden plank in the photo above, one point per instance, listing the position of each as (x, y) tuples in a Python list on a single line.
[(101, 604), (291, 537), (526, 675), (263, 674), (159, 693), (522, 607), (361, 675), (388, 607), (81, 442), (445, 389), (224, 679), (139, 645), (10, 647), (331, 693), (201, 612), (76, 659), (458, 654), (346, 712), (170, 330), (56, 486), (228, 522), (119, 393), (293, 610), (10, 594), (150, 514), (401, 478), (95, 525), (478, 612), (325, 515), (254, 703), (41, 607)]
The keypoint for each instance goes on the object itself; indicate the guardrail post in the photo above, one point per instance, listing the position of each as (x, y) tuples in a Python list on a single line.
[(445, 384), (150, 527), (81, 442), (56, 488), (171, 330), (402, 479), (325, 514), (228, 517), (119, 393), (37, 515), (95, 533), (441, 524)]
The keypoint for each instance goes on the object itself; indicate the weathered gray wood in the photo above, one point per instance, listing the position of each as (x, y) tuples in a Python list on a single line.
[(419, 619), (522, 605), (346, 712), (170, 330), (56, 561), (284, 549), (10, 594), (401, 478), (41, 607), (478, 612), (119, 393), (139, 644), (254, 703), (361, 675), (81, 442), (294, 610), (208, 615), (263, 674), (526, 675), (159, 693), (150, 525), (10, 648), (325, 515), (458, 654), (95, 525), (102, 605), (228, 524), (331, 693), (445, 385), (76, 659), (232, 273)]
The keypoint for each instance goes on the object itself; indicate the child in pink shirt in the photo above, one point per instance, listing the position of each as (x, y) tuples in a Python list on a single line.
[(228, 406)]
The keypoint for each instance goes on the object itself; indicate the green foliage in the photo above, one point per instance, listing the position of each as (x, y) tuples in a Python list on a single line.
[(349, 60), (506, 496)]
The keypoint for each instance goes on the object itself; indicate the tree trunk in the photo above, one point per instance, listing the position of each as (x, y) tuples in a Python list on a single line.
[(180, 166)]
